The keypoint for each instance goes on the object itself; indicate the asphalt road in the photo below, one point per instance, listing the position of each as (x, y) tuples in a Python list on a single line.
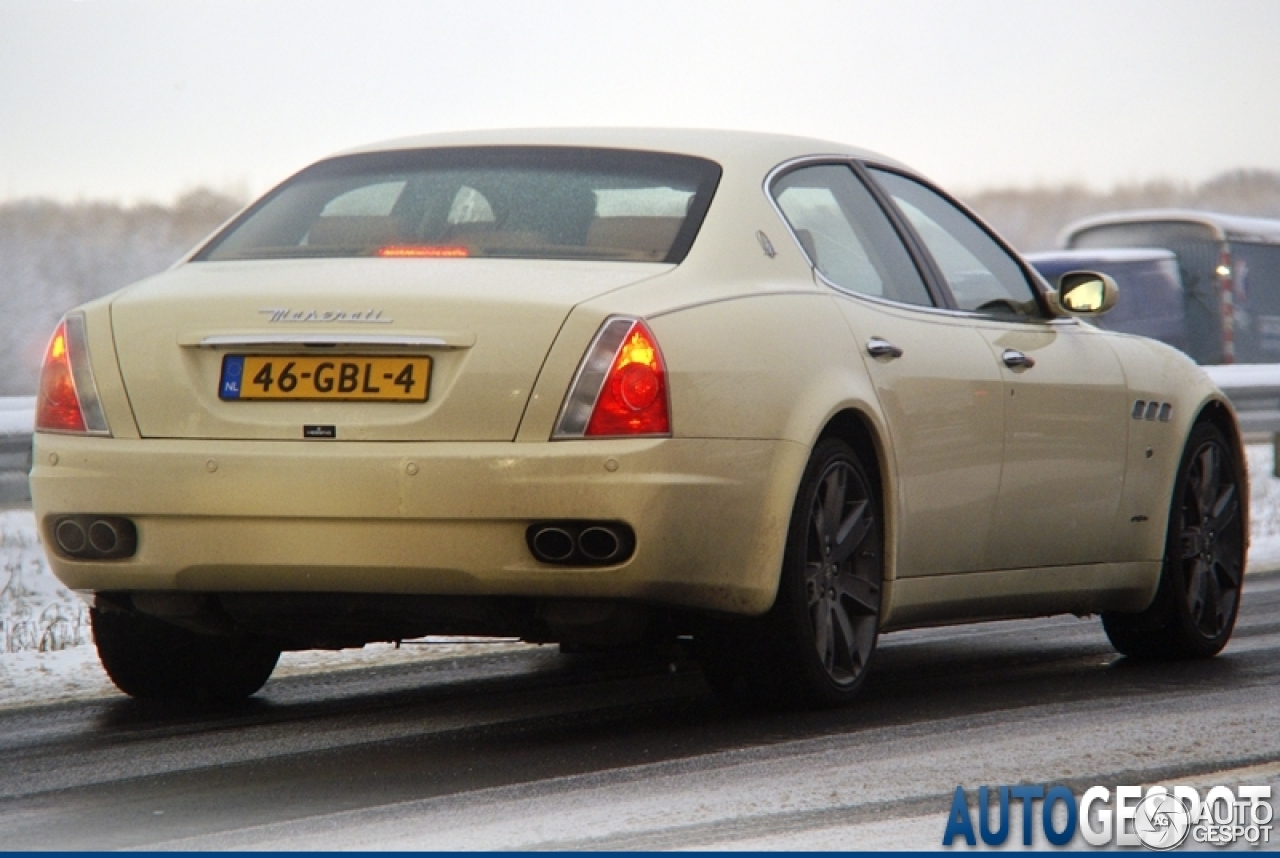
[(537, 750)]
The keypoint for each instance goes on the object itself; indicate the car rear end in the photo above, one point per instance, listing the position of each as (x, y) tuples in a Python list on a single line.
[(395, 377)]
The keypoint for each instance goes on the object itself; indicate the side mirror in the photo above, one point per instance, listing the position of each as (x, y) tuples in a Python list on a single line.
[(1086, 293)]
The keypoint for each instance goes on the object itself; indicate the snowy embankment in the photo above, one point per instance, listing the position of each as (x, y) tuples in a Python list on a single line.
[(47, 654), (17, 414)]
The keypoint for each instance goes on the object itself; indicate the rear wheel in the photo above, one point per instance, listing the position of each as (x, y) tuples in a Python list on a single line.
[(815, 645), (151, 659), (1194, 611)]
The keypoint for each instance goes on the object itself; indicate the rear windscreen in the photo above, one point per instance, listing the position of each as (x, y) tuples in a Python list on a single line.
[(517, 202)]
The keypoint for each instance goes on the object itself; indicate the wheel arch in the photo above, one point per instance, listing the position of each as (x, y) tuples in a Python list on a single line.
[(860, 430), (1220, 414), (855, 428)]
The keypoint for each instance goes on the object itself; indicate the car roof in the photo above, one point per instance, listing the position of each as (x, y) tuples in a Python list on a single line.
[(728, 148), (1102, 255), (1225, 227)]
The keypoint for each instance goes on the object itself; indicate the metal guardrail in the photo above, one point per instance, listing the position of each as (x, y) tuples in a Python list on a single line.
[(1254, 390), (17, 416)]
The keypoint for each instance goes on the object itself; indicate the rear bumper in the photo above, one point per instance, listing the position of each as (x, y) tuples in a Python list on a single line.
[(710, 516)]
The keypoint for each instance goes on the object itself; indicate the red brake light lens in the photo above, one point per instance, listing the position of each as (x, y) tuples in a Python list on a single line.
[(633, 399), (57, 406), (423, 251), (67, 400), (620, 388)]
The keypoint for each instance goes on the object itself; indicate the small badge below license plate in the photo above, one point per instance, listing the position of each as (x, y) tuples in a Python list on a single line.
[(333, 378)]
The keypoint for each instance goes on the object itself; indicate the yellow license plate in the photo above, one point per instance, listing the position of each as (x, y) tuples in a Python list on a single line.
[(330, 378)]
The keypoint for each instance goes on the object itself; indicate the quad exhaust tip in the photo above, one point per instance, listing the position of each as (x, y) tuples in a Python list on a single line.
[(95, 537), (581, 543), (553, 544)]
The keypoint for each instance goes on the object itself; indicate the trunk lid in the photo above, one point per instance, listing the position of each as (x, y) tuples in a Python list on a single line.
[(485, 326)]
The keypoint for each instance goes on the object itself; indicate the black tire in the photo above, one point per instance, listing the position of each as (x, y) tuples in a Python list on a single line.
[(815, 645), (153, 660), (1195, 607)]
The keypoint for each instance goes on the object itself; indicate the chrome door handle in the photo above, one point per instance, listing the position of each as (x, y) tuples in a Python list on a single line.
[(1015, 359), (877, 347)]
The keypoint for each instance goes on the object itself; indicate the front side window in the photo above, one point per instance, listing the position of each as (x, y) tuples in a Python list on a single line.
[(520, 202), (981, 274), (846, 234)]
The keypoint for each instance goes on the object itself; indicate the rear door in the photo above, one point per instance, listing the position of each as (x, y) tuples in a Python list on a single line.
[(939, 389)]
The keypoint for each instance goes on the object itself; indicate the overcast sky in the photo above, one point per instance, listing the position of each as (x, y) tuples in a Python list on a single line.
[(142, 99)]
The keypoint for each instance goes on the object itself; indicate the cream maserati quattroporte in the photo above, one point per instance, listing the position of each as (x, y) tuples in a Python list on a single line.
[(608, 388)]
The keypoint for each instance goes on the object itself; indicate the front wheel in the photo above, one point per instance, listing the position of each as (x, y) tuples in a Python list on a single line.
[(151, 659), (1194, 611), (815, 645)]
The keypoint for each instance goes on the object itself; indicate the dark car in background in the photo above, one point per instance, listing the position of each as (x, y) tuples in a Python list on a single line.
[(1230, 272), (1151, 296)]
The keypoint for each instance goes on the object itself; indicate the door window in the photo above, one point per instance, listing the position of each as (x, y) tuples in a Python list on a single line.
[(846, 234), (983, 277)]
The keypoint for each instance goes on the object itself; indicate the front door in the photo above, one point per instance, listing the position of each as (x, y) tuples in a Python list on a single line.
[(1065, 398), (1065, 437)]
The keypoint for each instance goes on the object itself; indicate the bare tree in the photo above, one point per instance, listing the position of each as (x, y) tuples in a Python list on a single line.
[(54, 256)]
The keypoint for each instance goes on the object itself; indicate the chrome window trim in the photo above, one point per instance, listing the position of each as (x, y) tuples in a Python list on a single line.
[(850, 161), (943, 311), (813, 160)]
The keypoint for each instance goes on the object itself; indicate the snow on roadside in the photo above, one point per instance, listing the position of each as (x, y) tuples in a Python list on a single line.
[(17, 414), (1264, 508), (46, 652)]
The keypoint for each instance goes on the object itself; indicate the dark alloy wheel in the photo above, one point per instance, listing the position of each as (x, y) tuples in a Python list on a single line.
[(1195, 608), (841, 572), (815, 645), (154, 660)]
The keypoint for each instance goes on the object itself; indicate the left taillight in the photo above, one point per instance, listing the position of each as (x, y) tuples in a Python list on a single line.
[(68, 397), (620, 389)]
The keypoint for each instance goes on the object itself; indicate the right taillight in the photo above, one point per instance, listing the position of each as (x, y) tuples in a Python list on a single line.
[(621, 386), (67, 400)]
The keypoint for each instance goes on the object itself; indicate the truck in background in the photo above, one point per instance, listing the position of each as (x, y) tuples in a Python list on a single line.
[(1229, 268)]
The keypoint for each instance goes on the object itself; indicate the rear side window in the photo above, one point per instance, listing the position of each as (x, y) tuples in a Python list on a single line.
[(518, 202), (846, 234)]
